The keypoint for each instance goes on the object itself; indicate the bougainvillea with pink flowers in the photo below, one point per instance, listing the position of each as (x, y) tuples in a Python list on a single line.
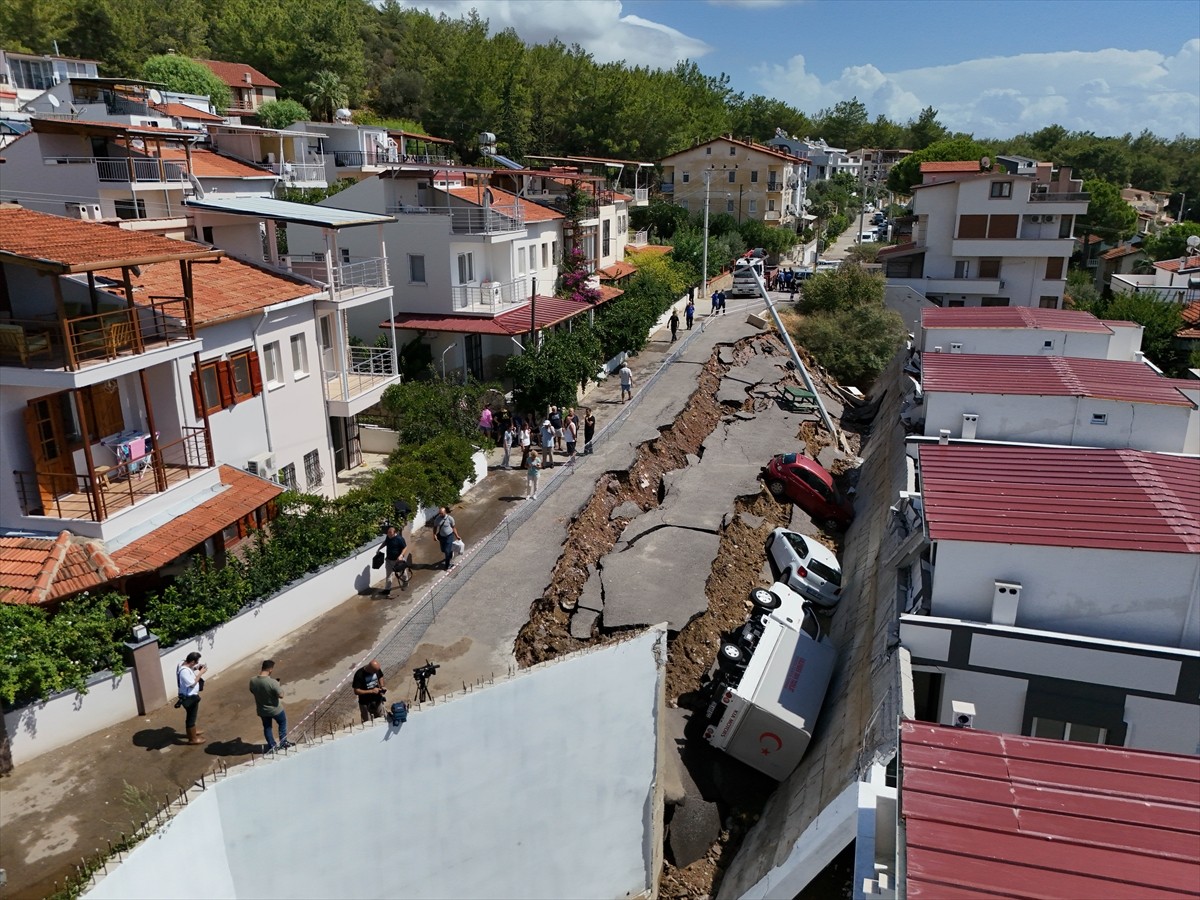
[(575, 277)]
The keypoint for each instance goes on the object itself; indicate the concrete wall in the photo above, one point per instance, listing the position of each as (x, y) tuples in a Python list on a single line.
[(1028, 342), (1053, 419), (541, 786), (1137, 596)]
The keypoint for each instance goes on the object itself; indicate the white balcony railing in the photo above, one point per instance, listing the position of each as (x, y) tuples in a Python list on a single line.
[(641, 195), (356, 275), (126, 170), (490, 295), (470, 219), (300, 171), (366, 369)]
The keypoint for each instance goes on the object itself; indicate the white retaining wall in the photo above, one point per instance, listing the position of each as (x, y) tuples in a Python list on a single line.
[(63, 718)]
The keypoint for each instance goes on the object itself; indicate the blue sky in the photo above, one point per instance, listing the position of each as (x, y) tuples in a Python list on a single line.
[(993, 69)]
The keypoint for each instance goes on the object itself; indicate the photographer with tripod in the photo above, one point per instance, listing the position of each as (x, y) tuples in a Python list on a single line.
[(368, 685)]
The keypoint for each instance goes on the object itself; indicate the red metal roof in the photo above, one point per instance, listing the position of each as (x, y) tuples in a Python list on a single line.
[(1048, 376), (1012, 317), (995, 815), (549, 311), (1061, 497)]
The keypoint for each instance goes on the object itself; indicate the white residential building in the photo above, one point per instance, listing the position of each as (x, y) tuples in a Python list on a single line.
[(1058, 400), (1173, 280), (1028, 331), (988, 237), (824, 161), (29, 75)]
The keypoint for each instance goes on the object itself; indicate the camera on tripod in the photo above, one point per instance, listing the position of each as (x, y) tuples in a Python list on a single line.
[(421, 675)]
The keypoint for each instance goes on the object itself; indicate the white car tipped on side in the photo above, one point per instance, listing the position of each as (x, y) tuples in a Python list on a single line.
[(806, 566)]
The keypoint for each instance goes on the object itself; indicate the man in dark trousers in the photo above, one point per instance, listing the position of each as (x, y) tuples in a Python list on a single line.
[(689, 313), (269, 705), (396, 553), (189, 676), (589, 431), (674, 324), (368, 685)]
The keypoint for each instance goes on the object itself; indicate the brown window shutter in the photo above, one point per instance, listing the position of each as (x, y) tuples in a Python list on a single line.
[(255, 373), (197, 396), (225, 383)]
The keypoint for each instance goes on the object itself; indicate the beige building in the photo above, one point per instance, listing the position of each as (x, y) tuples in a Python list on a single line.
[(747, 180)]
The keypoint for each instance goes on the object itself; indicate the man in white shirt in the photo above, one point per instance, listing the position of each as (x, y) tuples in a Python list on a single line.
[(190, 677)]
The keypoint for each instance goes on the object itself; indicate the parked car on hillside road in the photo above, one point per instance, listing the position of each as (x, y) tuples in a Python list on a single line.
[(806, 566), (803, 481)]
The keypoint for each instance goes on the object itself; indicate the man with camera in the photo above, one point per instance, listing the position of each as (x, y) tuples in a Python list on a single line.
[(190, 678), (368, 685)]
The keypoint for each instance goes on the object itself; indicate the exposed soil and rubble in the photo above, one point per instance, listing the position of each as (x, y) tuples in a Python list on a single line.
[(738, 566)]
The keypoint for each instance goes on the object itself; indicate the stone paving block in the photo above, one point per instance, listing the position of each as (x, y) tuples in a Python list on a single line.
[(725, 356), (751, 520)]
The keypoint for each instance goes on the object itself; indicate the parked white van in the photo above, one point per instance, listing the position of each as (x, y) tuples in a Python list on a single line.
[(867, 237)]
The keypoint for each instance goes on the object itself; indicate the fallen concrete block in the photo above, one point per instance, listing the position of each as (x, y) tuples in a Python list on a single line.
[(626, 510), (695, 826), (582, 621), (757, 320)]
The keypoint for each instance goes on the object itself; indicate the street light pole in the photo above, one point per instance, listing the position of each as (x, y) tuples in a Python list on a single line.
[(704, 265)]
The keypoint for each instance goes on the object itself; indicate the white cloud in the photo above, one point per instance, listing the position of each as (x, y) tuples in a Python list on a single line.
[(596, 25), (1106, 91)]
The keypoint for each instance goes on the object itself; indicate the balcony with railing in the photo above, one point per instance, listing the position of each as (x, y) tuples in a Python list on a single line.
[(356, 159), (667, 187), (496, 219), (490, 296), (1061, 197), (641, 196), (132, 170), (356, 278), (311, 170), (358, 379), (81, 341), (774, 187), (104, 491)]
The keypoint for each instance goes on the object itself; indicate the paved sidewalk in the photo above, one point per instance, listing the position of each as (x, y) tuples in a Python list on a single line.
[(68, 803)]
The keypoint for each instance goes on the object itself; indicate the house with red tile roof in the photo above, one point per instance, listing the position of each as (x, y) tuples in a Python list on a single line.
[(1000, 235), (1057, 400), (1024, 331), (474, 265), (1173, 280), (746, 180), (249, 87)]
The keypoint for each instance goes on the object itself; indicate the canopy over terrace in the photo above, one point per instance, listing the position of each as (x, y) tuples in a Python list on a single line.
[(541, 313)]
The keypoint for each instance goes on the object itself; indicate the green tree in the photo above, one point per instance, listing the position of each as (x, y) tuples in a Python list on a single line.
[(425, 409), (854, 345), (187, 76), (925, 129), (844, 124), (1160, 321), (848, 287), (1108, 216), (281, 113), (1170, 243), (907, 172), (325, 94), (552, 373)]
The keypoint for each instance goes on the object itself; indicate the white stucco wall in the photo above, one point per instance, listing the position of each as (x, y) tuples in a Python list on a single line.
[(999, 701), (1060, 420), (1022, 342), (55, 722), (541, 786), (1162, 725), (1136, 596)]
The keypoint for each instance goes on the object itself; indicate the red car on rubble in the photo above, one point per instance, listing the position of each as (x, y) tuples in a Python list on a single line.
[(803, 481)]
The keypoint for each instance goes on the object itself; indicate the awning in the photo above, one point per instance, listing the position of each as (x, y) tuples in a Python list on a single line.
[(899, 250), (549, 311), (287, 211)]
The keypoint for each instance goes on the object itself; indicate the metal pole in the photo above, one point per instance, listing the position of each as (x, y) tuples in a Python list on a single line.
[(704, 274), (862, 198), (533, 314)]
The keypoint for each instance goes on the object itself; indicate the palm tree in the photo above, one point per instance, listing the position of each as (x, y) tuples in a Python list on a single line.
[(326, 94)]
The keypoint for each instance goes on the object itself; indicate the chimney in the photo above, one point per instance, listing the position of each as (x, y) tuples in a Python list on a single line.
[(1005, 600), (944, 436), (246, 78), (970, 423), (964, 713)]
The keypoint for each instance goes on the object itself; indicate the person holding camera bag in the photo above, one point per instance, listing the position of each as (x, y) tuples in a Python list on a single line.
[(190, 677)]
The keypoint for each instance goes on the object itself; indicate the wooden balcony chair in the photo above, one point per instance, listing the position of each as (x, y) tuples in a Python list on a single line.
[(15, 341), (118, 336)]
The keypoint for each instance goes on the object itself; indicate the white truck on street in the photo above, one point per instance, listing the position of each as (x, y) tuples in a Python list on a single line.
[(744, 271), (770, 683)]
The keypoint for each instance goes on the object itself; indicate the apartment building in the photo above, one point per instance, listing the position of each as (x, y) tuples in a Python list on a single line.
[(824, 161), (744, 180), (987, 236)]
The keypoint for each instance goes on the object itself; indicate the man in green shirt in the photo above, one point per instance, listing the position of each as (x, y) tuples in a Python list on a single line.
[(267, 693)]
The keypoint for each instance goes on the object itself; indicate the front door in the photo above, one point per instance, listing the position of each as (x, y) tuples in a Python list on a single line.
[(353, 444), (474, 344)]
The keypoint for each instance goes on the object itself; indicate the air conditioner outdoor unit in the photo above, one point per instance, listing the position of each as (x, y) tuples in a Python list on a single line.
[(262, 465), (491, 292)]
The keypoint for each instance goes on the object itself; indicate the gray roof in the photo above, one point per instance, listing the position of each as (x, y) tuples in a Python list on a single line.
[(287, 211)]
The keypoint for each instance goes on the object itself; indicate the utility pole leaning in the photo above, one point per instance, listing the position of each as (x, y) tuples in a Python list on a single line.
[(704, 265)]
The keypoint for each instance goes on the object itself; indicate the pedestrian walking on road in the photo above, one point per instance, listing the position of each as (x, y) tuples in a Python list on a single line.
[(267, 703), (395, 561), (508, 445), (589, 431), (626, 382), (531, 476), (526, 442), (446, 532), (485, 421), (368, 685), (674, 324), (716, 302), (189, 675), (721, 298), (547, 445), (689, 312)]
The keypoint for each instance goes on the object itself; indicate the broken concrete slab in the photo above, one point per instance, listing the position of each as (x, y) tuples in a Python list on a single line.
[(694, 828), (732, 391), (582, 621), (659, 578), (802, 522), (725, 356), (751, 520), (828, 455), (592, 595), (626, 510)]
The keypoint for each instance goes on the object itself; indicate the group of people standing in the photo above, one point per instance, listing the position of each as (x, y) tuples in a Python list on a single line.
[(689, 312), (559, 432), (718, 302)]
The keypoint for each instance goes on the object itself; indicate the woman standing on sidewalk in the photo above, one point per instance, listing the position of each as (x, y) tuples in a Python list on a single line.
[(531, 475)]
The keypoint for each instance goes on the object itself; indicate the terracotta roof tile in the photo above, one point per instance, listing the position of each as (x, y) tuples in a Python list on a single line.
[(533, 212), (1118, 252), (618, 270), (183, 111), (226, 289), (39, 570), (233, 74), (1179, 265), (245, 493), (971, 165), (80, 246), (759, 148), (207, 164)]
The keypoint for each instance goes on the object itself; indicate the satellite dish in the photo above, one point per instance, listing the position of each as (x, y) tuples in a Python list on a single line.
[(52, 100), (1193, 241), (155, 96), (196, 186), (985, 163)]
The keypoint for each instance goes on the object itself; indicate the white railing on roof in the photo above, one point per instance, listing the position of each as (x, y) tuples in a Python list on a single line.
[(470, 219), (357, 274), (490, 295), (126, 169)]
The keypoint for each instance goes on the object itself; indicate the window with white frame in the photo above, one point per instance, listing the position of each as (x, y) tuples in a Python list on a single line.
[(732, 175), (1099, 418), (299, 356), (1001, 189), (466, 268), (416, 268), (273, 364), (770, 204), (687, 176), (729, 206), (554, 253), (754, 177), (545, 255)]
